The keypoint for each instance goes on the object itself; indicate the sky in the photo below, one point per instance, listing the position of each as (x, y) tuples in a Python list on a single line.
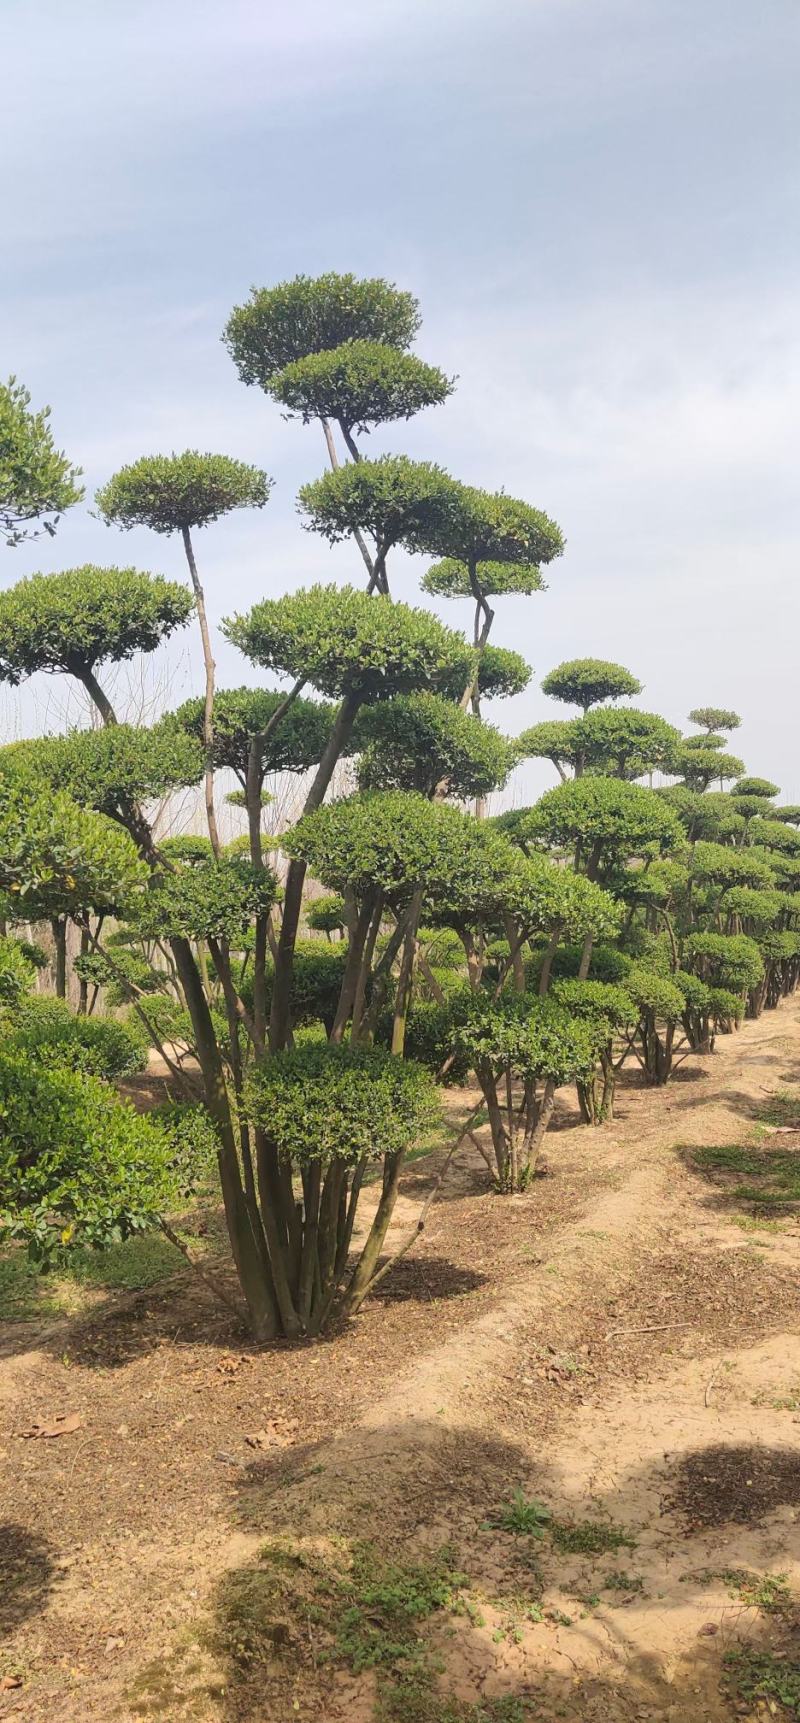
[(596, 204)]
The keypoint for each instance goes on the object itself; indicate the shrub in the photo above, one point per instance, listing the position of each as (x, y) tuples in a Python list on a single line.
[(323, 1103), (48, 1033), (536, 1042), (77, 1164)]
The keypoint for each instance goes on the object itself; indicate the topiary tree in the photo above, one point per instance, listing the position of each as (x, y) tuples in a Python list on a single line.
[(328, 1112), (587, 682), (327, 914), (607, 1009), (700, 767), (451, 578), (78, 1166), (599, 820), (37, 482), (532, 1042), (731, 962), (661, 1004), (711, 718), (175, 494), (84, 617), (279, 325), (759, 788), (423, 742), (626, 743), (496, 673), (361, 649), (557, 740), (482, 530), (358, 385), (46, 1032), (394, 500)]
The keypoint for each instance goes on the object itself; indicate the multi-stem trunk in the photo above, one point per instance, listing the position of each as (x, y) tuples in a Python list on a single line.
[(280, 1014)]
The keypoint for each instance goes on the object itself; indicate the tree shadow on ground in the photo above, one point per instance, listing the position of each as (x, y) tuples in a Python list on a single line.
[(28, 1572)]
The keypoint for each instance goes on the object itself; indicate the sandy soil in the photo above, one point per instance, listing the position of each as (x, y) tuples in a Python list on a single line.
[(609, 1343)]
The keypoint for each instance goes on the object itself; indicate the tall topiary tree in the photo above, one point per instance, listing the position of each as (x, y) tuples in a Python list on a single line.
[(713, 718), (37, 482), (587, 682), (176, 494)]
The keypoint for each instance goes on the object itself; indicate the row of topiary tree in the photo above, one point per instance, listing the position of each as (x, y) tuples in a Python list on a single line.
[(610, 922)]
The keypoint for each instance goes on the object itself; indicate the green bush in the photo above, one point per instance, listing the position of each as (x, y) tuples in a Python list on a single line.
[(48, 1033), (320, 1103), (77, 1164)]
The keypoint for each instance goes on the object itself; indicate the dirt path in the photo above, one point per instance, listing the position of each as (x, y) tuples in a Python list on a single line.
[(609, 1344)]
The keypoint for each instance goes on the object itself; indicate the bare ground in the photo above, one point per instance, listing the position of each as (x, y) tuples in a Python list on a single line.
[(609, 1343)]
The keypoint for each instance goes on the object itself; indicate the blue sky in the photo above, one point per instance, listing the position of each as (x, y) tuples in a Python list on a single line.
[(596, 202)]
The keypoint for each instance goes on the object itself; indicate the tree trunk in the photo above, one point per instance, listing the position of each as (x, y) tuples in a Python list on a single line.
[(293, 890), (59, 930), (208, 709)]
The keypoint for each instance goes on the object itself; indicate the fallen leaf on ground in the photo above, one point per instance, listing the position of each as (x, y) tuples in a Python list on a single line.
[(277, 1433), (62, 1425)]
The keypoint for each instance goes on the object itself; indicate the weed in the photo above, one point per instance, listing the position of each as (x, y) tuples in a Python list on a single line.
[(589, 1537), (621, 1581), (768, 1592), (357, 1609), (751, 1674), (523, 1517), (417, 1701)]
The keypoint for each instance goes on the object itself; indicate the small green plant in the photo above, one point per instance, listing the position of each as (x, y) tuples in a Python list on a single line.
[(523, 1517), (378, 1628), (417, 1701), (756, 1223), (621, 1581), (751, 1674), (767, 1592), (589, 1537)]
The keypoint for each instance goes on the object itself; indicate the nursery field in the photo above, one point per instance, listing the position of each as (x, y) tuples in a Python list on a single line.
[(550, 1471), (399, 1187)]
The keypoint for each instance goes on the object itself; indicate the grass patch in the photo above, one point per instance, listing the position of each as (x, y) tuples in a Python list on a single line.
[(24, 1293), (772, 1175), (139, 1262), (782, 1108), (765, 1675), (757, 1223), (589, 1537)]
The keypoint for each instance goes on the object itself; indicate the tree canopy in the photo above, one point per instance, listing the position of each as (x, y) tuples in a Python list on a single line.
[(170, 493), (82, 617), (359, 384), (345, 642), (37, 482), (278, 325), (588, 681)]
